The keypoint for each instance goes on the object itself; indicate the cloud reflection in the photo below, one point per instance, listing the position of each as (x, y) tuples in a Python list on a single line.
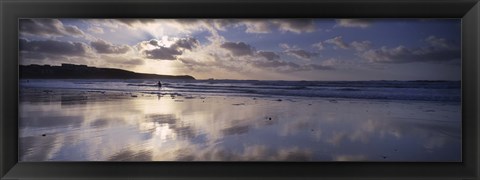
[(148, 129)]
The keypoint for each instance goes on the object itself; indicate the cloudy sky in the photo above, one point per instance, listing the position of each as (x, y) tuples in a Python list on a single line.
[(264, 49)]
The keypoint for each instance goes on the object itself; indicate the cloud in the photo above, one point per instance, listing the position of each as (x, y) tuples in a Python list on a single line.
[(297, 52), (300, 53), (437, 42), (186, 43), (438, 50), (295, 25), (353, 23), (257, 25), (54, 47), (238, 48), (338, 42), (319, 46), (97, 30), (242, 57), (356, 45), (48, 27), (165, 53), (104, 47), (284, 66), (268, 55), (132, 22), (361, 46), (166, 49), (285, 46)]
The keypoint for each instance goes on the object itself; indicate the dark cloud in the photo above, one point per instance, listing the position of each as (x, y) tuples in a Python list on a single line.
[(295, 25), (48, 27), (164, 53), (171, 52), (154, 42), (104, 47), (268, 55), (54, 47), (354, 23), (438, 50), (186, 43), (238, 48)]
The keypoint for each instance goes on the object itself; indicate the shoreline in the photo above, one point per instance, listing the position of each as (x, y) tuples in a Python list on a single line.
[(246, 95)]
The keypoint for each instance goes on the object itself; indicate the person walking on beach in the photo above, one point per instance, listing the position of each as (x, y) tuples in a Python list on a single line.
[(159, 84)]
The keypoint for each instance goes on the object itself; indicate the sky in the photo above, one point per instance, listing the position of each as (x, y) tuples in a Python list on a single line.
[(260, 49)]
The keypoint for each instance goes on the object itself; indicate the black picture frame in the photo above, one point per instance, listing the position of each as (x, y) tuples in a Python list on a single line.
[(12, 10)]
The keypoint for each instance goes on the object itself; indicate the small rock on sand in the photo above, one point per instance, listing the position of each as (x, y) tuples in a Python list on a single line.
[(333, 101), (44, 135)]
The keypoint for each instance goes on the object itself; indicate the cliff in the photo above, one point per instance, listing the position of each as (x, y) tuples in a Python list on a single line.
[(71, 71)]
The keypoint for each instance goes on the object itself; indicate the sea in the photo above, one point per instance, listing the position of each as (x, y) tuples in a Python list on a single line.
[(438, 91)]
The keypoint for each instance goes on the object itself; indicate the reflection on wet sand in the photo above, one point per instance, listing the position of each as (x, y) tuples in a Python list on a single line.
[(114, 126)]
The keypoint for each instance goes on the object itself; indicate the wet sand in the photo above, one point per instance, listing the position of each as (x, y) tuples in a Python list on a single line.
[(76, 125)]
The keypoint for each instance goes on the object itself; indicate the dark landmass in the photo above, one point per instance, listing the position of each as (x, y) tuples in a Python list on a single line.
[(71, 71)]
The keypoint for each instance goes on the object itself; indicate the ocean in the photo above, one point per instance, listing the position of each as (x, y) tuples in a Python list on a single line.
[(443, 91)]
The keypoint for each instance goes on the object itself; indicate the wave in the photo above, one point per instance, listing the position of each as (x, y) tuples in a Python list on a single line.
[(449, 91)]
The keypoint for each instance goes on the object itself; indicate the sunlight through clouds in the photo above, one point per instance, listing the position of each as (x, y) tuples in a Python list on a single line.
[(243, 48)]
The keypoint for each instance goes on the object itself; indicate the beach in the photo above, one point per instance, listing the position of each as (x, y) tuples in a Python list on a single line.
[(62, 124)]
